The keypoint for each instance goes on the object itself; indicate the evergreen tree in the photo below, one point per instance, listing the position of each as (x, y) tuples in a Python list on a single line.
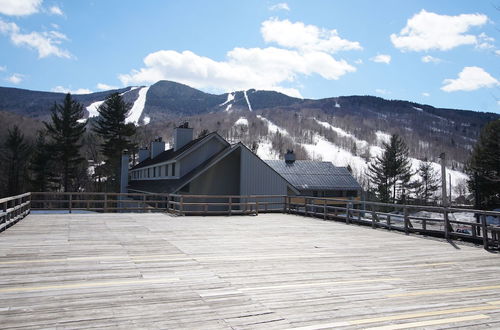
[(116, 134), (390, 172), (40, 164), (15, 159), (425, 188), (484, 167), (66, 132)]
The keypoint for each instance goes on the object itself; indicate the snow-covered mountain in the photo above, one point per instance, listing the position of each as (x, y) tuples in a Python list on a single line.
[(346, 130)]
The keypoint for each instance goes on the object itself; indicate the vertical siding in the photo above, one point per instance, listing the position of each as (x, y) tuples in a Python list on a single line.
[(257, 178), (198, 156)]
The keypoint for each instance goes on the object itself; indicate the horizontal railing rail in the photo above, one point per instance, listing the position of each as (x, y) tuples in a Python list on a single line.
[(477, 226), (13, 209), (439, 221)]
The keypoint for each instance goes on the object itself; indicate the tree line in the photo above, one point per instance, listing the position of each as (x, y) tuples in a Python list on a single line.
[(390, 174), (55, 161)]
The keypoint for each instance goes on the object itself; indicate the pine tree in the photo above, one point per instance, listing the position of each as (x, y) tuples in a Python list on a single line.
[(15, 158), (116, 134), (390, 172), (484, 167), (66, 132), (425, 188), (40, 164)]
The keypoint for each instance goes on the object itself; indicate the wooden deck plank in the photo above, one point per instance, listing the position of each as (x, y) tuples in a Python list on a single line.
[(271, 271)]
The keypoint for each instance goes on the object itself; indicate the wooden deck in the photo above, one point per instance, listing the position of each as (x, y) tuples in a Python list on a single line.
[(272, 271)]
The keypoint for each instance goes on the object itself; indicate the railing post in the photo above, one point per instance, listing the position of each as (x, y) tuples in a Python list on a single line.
[(70, 202), (324, 209), (485, 231), (230, 209), (406, 219), (105, 202), (305, 206), (144, 203), (181, 205), (285, 209), (347, 216), (257, 207), (446, 223)]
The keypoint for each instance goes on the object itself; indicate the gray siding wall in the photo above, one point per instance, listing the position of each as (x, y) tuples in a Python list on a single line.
[(198, 156), (257, 178), (221, 179)]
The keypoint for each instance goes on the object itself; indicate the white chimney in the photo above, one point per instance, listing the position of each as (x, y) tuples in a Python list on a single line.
[(143, 154), (157, 147), (182, 136)]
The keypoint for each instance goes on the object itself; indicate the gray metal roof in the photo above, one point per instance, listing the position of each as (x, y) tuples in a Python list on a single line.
[(314, 175)]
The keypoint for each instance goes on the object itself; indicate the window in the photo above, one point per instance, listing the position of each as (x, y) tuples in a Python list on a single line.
[(154, 172), (173, 169), (149, 172)]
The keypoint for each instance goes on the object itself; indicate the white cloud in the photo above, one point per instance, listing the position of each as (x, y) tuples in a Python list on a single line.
[(305, 37), (16, 78), (55, 10), (381, 58), (485, 42), (45, 43), (61, 89), (3, 68), (470, 79), (105, 87), (430, 59), (19, 7), (382, 91), (359, 61), (280, 6), (426, 94), (244, 68), (426, 31), (497, 52)]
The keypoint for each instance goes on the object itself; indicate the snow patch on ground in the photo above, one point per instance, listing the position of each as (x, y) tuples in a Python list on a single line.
[(248, 101), (266, 151), (136, 111), (337, 105), (242, 121), (343, 133), (229, 106), (272, 128), (146, 120), (92, 108), (383, 137), (230, 97), (418, 109), (322, 149)]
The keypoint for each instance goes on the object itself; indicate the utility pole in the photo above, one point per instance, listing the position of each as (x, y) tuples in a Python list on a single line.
[(449, 191), (447, 228), (444, 201)]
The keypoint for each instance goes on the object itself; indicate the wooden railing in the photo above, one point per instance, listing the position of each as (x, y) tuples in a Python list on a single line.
[(13, 209), (425, 220), (225, 204), (98, 202), (441, 221)]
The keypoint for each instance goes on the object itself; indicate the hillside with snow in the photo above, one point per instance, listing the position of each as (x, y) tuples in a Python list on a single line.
[(346, 130)]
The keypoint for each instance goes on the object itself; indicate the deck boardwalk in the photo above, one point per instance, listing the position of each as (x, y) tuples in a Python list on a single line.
[(272, 271)]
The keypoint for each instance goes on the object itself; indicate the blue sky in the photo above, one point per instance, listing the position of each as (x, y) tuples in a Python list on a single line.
[(442, 53)]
